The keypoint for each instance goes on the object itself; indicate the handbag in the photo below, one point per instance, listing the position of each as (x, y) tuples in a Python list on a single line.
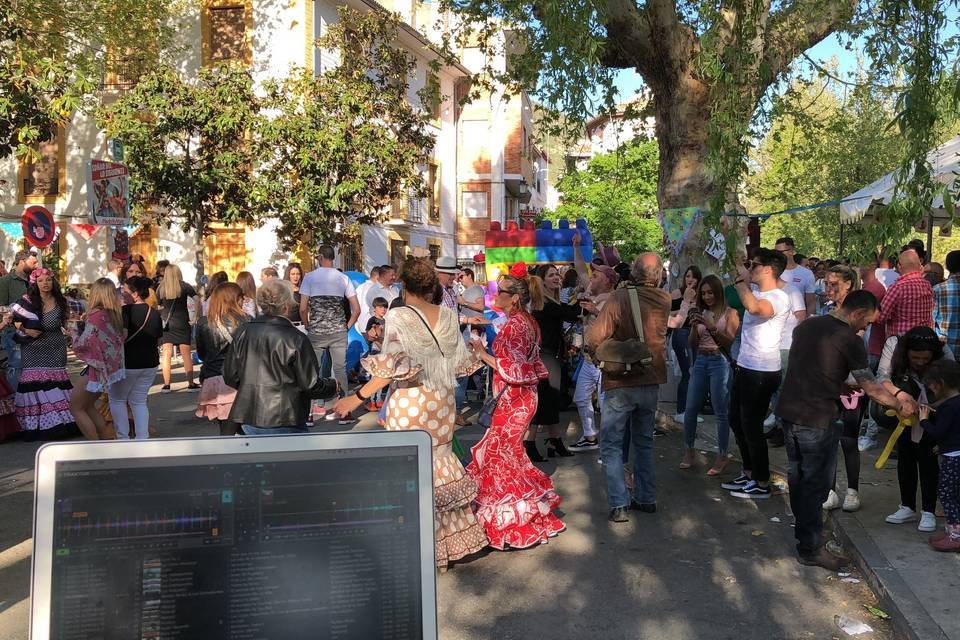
[(620, 358), (485, 417)]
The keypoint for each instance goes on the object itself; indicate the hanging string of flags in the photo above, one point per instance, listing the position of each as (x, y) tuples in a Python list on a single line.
[(677, 223)]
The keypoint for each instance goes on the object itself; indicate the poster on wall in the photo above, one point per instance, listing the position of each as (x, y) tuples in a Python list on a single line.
[(39, 229), (108, 193)]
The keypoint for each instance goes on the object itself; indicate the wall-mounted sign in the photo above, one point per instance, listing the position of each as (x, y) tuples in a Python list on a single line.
[(107, 193), (39, 229)]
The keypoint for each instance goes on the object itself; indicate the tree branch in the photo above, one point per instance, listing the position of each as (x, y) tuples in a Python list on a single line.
[(628, 36), (651, 40), (800, 26)]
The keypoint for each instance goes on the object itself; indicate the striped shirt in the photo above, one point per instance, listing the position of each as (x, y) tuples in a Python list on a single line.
[(946, 311)]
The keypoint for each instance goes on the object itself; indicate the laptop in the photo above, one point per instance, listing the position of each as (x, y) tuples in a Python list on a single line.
[(278, 537)]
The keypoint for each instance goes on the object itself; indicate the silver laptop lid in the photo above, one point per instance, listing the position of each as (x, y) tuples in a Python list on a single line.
[(318, 535)]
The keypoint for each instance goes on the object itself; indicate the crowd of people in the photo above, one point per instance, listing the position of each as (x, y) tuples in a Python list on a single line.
[(817, 356)]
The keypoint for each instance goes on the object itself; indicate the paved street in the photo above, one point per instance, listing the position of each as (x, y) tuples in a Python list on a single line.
[(705, 565)]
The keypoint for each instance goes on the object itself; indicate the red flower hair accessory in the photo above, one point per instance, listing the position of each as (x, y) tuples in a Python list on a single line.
[(519, 270)]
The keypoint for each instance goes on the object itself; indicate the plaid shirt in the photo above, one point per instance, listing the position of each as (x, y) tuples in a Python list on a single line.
[(946, 311), (908, 304)]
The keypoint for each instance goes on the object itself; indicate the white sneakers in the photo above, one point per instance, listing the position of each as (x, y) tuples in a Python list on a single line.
[(678, 417), (903, 514), (868, 440), (851, 502), (928, 522), (770, 421), (833, 501)]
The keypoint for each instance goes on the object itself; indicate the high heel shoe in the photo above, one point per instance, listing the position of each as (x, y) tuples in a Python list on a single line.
[(530, 446), (555, 447)]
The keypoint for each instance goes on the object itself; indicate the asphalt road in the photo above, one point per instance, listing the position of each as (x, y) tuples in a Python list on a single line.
[(705, 566)]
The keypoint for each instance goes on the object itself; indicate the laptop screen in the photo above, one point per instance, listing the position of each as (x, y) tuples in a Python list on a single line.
[(278, 545)]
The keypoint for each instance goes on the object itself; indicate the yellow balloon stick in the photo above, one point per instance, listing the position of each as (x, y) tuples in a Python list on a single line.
[(902, 424)]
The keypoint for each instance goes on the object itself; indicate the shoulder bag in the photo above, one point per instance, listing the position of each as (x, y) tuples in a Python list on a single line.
[(620, 358), (135, 333)]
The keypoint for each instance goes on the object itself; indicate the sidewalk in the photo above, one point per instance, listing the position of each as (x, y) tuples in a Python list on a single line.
[(917, 585)]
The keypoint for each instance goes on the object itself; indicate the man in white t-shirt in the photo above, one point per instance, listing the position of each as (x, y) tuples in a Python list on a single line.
[(798, 313), (887, 272), (323, 311), (757, 374), (114, 269), (382, 287), (800, 277)]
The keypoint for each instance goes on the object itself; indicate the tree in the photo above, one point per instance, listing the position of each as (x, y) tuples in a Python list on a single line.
[(56, 54), (344, 144), (709, 67), (191, 148), (616, 194)]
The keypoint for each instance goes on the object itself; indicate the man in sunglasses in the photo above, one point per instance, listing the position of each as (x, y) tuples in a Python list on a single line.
[(757, 371)]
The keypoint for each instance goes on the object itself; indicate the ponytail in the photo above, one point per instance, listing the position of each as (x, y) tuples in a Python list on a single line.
[(537, 293)]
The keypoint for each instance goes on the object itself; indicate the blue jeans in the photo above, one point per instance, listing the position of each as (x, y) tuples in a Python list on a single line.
[(636, 407), (681, 347), (271, 431), (812, 464), (710, 371), (460, 393)]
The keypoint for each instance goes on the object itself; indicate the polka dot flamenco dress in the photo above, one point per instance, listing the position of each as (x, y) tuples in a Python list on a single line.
[(424, 363)]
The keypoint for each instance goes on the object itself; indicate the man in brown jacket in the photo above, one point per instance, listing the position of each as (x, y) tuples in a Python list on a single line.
[(632, 399)]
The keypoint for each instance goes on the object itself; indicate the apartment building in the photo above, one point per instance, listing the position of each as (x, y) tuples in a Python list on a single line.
[(271, 38)]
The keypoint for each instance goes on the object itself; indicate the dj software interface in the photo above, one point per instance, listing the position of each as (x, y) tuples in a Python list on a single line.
[(279, 549)]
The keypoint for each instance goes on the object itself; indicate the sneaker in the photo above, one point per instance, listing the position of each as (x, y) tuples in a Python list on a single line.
[(657, 432), (646, 507), (583, 444), (868, 440), (946, 543), (833, 501), (699, 419), (753, 491), (903, 514), (851, 501), (823, 558), (737, 483), (165, 388), (770, 422), (678, 417), (775, 437), (928, 522), (346, 418)]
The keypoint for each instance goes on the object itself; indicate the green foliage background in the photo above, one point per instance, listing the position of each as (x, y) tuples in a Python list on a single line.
[(617, 195)]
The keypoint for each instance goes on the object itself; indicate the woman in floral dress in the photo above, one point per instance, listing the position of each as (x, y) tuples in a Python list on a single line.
[(516, 500), (423, 354)]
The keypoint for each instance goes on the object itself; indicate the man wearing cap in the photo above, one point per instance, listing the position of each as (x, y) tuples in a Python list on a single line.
[(603, 280), (447, 272)]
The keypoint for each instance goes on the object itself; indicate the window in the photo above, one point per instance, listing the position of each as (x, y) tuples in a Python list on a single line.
[(474, 204), (398, 251), (434, 248), (43, 180), (226, 27), (433, 97), (433, 197)]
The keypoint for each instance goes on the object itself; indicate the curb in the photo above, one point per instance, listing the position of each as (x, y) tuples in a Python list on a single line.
[(906, 611)]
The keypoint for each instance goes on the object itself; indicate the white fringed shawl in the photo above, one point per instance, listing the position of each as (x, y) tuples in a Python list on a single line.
[(407, 333)]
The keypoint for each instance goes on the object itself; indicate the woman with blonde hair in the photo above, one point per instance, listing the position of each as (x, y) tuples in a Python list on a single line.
[(100, 346), (214, 336), (249, 287), (175, 298)]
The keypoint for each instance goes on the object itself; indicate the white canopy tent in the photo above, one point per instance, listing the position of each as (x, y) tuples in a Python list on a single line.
[(870, 200)]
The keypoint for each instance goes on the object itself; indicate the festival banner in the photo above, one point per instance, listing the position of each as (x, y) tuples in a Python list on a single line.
[(108, 193), (86, 231), (676, 225)]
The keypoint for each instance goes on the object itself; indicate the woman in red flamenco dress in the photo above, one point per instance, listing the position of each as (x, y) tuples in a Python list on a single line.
[(515, 499)]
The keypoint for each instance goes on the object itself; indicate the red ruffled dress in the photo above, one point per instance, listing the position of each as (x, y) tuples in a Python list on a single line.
[(515, 501)]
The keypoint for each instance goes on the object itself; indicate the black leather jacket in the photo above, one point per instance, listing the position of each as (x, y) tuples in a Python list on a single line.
[(212, 346), (274, 369)]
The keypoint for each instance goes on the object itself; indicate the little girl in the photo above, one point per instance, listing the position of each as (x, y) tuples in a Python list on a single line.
[(943, 380)]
